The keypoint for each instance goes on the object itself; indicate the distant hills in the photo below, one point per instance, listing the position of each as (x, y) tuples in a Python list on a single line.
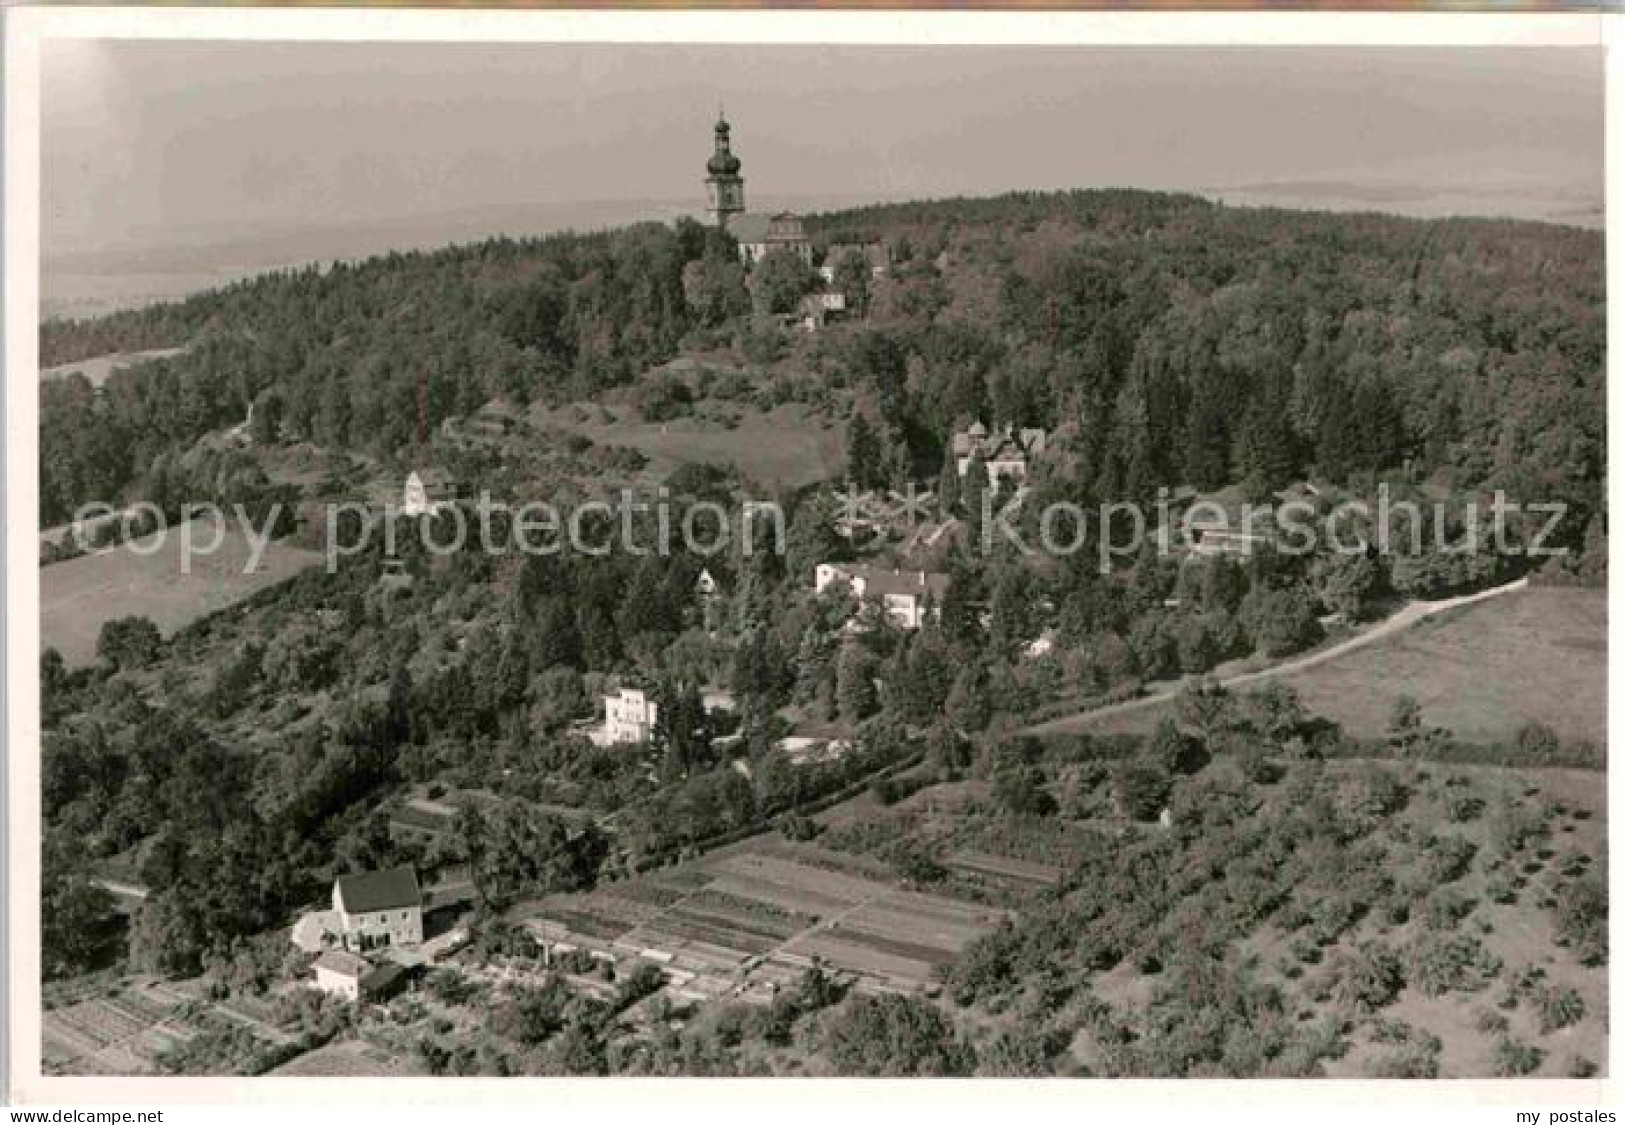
[(154, 267)]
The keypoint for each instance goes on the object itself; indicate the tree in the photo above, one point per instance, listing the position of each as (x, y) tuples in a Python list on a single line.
[(1276, 712), (682, 731), (557, 696), (894, 1036), (1143, 787), (865, 459), (969, 703), (77, 922), (779, 280), (714, 287), (1193, 645), (1281, 622), (1405, 729), (855, 684), (1345, 583), (1170, 751), (1020, 789), (1207, 708), (852, 280), (129, 642), (515, 851), (266, 418)]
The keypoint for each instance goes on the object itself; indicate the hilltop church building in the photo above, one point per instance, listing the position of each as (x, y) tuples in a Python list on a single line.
[(757, 235)]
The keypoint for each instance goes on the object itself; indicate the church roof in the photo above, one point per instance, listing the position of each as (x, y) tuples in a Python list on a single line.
[(722, 164), (783, 227)]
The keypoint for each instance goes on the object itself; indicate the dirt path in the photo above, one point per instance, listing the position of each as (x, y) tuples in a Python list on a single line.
[(1398, 622)]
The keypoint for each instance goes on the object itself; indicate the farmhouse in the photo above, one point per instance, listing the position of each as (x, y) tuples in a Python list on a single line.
[(1006, 452), (904, 595), (379, 908), (629, 716)]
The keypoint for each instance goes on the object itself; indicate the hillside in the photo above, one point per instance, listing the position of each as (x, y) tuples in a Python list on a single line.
[(827, 846), (1179, 341), (1482, 672)]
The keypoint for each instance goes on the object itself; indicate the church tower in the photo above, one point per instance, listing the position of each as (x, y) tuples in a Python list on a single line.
[(724, 186)]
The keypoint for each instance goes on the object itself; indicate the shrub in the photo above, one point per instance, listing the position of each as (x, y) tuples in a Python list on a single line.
[(1515, 824), (1579, 1066), (1258, 767), (1306, 951), (1143, 788), (1514, 1059), (1441, 963), (798, 827), (1501, 887), (1446, 858), (1558, 1007), (1582, 918), (1444, 910), (1462, 807), (1417, 1057), (1368, 978), (1537, 743), (894, 1036)]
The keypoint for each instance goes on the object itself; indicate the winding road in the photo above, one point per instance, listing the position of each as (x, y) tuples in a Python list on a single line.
[(1397, 622)]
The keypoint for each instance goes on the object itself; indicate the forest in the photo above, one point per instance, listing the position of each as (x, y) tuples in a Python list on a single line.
[(1172, 341)]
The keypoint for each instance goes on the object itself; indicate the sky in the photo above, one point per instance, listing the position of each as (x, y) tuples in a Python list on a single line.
[(154, 144)]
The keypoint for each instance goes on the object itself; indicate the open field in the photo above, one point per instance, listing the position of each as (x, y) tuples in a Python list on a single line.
[(346, 1058), (1538, 654), (783, 447), (1480, 671), (78, 596), (759, 910), (98, 370)]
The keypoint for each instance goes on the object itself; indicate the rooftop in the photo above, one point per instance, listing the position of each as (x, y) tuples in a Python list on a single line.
[(379, 890), (784, 226), (338, 961), (883, 581)]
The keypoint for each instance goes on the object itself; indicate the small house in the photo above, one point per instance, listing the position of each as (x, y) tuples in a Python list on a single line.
[(903, 595), (354, 978), (426, 492), (1006, 452), (340, 973), (629, 716)]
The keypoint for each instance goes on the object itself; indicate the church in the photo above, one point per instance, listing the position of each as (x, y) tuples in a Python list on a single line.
[(757, 235)]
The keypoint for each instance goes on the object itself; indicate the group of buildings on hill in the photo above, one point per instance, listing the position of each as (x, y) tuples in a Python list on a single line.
[(1004, 451), (761, 235)]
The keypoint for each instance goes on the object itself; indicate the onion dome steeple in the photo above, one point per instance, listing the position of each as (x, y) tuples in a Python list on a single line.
[(724, 186)]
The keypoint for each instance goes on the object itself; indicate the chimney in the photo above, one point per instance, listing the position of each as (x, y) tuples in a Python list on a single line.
[(922, 578)]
